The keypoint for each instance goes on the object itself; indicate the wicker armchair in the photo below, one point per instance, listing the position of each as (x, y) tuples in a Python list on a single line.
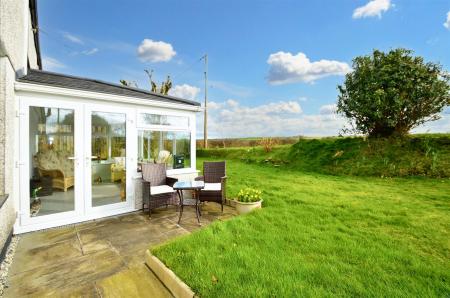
[(157, 188), (214, 176)]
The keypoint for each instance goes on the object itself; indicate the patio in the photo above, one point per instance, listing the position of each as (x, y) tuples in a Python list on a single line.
[(101, 258)]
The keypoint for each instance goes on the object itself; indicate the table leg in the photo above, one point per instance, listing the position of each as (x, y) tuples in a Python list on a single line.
[(197, 205), (180, 194)]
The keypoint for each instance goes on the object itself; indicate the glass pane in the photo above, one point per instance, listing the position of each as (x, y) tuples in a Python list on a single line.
[(52, 160), (169, 147), (155, 119), (108, 150)]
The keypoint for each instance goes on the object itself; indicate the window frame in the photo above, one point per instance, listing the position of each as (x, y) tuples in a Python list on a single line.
[(190, 128)]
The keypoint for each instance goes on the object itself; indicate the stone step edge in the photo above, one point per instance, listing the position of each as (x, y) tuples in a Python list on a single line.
[(170, 280)]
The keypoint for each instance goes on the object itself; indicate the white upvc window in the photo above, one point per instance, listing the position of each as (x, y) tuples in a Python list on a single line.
[(167, 138)]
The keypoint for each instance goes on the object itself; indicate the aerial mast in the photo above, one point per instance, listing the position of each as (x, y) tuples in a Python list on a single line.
[(205, 121)]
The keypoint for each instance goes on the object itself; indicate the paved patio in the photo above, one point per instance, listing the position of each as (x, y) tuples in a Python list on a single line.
[(102, 258)]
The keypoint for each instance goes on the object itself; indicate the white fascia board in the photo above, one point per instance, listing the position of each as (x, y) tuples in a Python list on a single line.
[(27, 87)]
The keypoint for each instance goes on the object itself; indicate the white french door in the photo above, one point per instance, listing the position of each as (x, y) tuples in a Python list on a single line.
[(75, 161), (108, 158), (50, 162)]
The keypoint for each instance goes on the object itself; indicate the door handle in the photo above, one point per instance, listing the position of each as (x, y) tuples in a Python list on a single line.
[(75, 159)]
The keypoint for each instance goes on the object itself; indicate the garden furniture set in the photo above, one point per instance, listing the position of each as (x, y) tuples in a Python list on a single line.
[(159, 190)]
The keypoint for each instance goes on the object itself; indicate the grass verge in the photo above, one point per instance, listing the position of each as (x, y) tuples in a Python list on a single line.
[(416, 155)]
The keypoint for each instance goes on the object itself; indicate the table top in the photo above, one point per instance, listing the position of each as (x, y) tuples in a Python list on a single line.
[(189, 185)]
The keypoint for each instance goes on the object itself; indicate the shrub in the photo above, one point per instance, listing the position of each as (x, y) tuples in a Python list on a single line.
[(268, 144), (391, 93), (248, 195)]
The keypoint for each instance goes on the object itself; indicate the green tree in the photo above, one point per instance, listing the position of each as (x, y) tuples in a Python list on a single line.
[(391, 93)]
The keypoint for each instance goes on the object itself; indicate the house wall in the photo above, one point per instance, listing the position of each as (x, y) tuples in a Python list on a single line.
[(7, 211), (16, 47), (14, 15)]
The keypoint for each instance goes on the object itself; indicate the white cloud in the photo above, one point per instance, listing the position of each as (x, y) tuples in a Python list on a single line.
[(372, 8), (185, 91), (212, 105), (90, 52), (283, 118), (155, 51), (232, 103), (72, 38), (447, 22), (51, 64), (328, 109), (287, 68)]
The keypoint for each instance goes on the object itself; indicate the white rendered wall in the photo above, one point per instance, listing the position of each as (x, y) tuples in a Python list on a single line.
[(7, 141)]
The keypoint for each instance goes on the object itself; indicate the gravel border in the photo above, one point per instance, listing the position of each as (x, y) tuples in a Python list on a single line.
[(6, 264)]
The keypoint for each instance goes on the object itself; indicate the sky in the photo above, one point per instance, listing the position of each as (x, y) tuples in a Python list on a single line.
[(273, 66)]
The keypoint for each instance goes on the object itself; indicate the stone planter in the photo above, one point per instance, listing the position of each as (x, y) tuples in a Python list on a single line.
[(244, 208)]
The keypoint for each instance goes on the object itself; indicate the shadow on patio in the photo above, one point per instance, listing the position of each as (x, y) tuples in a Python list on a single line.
[(101, 258)]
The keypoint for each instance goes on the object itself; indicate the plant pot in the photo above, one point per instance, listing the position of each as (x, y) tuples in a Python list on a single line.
[(244, 207)]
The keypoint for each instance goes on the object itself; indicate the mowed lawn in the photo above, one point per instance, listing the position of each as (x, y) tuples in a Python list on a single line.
[(322, 235)]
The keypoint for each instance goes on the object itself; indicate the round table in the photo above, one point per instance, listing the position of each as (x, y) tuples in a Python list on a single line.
[(196, 187)]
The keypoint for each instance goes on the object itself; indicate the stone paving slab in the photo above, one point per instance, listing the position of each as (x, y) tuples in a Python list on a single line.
[(55, 253), (134, 282), (101, 258)]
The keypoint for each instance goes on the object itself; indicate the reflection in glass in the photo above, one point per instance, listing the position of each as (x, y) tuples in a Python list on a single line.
[(108, 150), (166, 120), (170, 147), (52, 152)]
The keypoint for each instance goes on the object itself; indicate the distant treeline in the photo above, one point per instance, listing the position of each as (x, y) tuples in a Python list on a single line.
[(246, 142)]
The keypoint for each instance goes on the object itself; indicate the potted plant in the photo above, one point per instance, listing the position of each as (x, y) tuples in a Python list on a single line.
[(247, 200), (35, 204)]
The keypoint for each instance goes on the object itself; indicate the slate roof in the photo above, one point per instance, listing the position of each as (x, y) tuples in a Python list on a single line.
[(79, 83)]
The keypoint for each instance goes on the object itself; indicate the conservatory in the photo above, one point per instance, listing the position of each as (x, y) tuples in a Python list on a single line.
[(82, 143)]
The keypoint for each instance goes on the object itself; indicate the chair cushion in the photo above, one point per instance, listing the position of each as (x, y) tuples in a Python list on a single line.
[(213, 187), (156, 190)]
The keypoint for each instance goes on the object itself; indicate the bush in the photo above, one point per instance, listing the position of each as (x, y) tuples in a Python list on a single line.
[(268, 144), (391, 93)]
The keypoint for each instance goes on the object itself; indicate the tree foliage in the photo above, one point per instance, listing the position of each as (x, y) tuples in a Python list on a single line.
[(163, 89), (391, 93)]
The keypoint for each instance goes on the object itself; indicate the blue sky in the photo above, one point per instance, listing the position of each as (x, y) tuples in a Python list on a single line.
[(273, 65)]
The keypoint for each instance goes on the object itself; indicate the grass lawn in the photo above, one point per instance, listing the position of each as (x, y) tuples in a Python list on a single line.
[(322, 235)]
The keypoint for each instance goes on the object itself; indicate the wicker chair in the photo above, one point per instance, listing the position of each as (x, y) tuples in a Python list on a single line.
[(157, 188), (214, 176)]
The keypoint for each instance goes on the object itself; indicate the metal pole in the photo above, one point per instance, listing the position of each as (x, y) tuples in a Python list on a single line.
[(205, 122)]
